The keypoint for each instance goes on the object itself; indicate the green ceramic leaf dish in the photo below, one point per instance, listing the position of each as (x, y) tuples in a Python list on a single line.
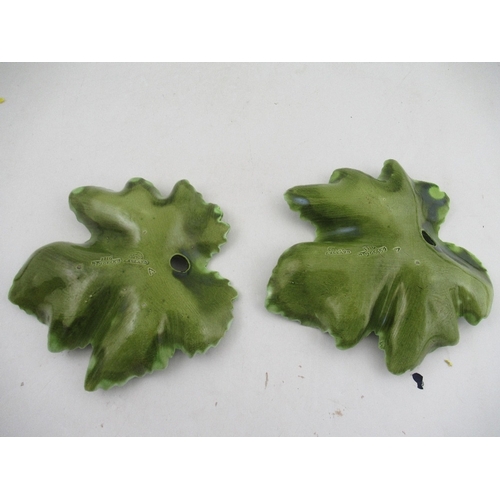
[(378, 265), (139, 288)]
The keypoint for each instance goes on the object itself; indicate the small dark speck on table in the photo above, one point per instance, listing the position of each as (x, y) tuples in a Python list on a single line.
[(418, 379)]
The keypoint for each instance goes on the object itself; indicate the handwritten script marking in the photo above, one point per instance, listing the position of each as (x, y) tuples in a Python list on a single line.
[(136, 258), (106, 261), (337, 251), (367, 251)]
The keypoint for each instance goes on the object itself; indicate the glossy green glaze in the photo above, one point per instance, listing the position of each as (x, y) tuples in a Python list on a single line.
[(139, 288), (378, 265)]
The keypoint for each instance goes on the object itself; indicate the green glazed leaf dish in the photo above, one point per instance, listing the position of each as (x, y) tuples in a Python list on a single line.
[(377, 265), (139, 288)]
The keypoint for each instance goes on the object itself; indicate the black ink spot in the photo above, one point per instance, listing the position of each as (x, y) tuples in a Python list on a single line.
[(428, 239), (419, 380)]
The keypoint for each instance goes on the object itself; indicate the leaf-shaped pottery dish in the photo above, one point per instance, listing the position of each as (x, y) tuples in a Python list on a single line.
[(139, 288), (378, 265)]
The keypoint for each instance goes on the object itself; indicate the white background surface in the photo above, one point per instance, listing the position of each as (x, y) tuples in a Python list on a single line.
[(242, 134)]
